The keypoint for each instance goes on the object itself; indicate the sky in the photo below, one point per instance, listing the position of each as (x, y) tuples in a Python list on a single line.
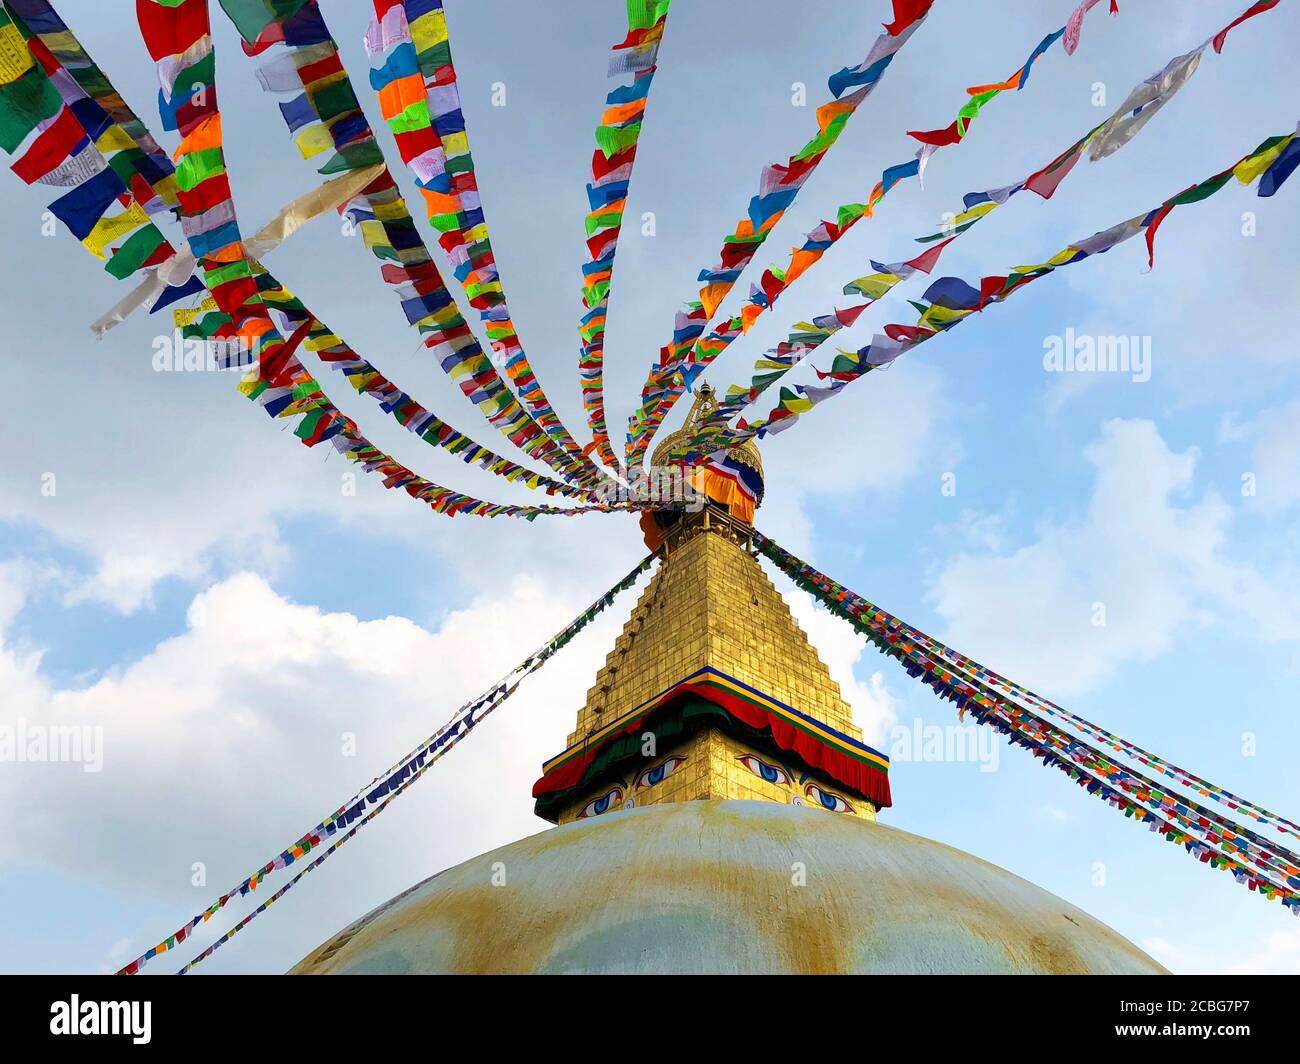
[(255, 642)]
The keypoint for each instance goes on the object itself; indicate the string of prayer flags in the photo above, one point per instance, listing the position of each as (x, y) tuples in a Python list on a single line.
[(415, 80), (72, 143), (362, 374), (386, 786), (1145, 757), (950, 300), (78, 79), (1258, 863), (982, 94), (1141, 104), (664, 389), (326, 108), (779, 185), (406, 410), (805, 338), (617, 137), (279, 383), (978, 205), (917, 652), (95, 131)]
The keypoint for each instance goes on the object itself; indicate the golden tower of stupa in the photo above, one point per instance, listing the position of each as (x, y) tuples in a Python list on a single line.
[(710, 633), (717, 812)]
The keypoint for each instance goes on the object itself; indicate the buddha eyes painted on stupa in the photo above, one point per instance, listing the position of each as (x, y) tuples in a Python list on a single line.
[(603, 804), (764, 771), (659, 773), (827, 800)]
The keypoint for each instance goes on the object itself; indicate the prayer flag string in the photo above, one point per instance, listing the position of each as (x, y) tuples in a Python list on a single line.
[(323, 112), (1258, 863), (775, 281), (404, 408), (415, 82), (617, 137), (158, 177), (806, 337), (66, 138), (279, 383), (950, 300), (779, 185)]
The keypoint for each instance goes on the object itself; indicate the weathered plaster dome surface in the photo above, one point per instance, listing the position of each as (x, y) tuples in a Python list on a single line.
[(709, 886)]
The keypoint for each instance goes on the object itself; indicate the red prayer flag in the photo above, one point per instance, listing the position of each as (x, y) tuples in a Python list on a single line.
[(1046, 180), (51, 148), (1160, 216), (906, 12), (925, 262), (1255, 9), (171, 30), (939, 138)]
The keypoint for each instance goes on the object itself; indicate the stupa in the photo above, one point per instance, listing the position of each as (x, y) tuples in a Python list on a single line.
[(716, 810)]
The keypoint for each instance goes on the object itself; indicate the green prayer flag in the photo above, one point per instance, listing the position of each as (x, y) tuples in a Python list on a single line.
[(355, 156), (251, 17), (133, 254), (25, 102)]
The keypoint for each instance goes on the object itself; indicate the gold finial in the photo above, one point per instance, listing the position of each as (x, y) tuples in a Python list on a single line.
[(705, 403)]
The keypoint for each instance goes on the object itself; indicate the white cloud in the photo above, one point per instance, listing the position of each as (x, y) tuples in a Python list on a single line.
[(225, 741), (1273, 953), (1148, 556), (1275, 458)]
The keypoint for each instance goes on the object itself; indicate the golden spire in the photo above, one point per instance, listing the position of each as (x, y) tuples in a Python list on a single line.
[(712, 691), (706, 403)]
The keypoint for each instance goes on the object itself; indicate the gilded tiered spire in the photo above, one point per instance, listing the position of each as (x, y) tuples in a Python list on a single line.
[(712, 691)]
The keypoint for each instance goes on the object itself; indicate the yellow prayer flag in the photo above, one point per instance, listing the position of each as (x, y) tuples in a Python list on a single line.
[(61, 43), (313, 140), (943, 315), (429, 30), (372, 232), (1248, 169), (108, 229), (320, 343), (114, 138), (978, 211), (875, 285), (386, 212), (455, 144), (15, 59)]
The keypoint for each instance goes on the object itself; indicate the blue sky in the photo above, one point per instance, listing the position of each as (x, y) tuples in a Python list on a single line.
[(200, 586)]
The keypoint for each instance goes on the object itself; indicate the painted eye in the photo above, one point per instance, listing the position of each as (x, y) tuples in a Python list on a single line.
[(763, 770), (826, 800), (602, 804), (659, 773)]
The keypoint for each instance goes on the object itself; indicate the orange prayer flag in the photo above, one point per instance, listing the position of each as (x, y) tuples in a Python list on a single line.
[(398, 95), (207, 134)]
